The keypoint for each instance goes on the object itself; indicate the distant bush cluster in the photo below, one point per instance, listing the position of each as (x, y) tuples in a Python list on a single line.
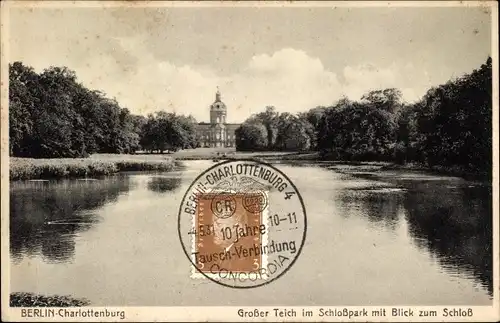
[(34, 300), (449, 127), (167, 131), (51, 115)]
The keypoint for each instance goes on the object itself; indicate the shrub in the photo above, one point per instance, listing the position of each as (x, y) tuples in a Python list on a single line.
[(33, 300)]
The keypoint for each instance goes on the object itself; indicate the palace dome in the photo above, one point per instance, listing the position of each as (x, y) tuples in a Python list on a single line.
[(218, 104)]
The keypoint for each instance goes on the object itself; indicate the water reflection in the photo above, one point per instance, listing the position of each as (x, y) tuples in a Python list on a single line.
[(420, 239), (449, 218), (455, 224), (46, 216), (164, 184), (379, 205)]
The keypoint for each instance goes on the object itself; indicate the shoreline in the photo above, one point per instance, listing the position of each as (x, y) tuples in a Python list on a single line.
[(57, 168), (109, 164), (24, 299), (314, 157)]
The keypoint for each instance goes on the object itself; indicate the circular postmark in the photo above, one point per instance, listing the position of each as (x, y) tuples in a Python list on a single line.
[(242, 224), (255, 203), (223, 205)]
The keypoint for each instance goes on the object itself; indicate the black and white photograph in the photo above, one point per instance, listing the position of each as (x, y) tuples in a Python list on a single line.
[(290, 161)]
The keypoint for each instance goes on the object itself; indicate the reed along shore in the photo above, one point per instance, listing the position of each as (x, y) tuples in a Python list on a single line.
[(99, 165)]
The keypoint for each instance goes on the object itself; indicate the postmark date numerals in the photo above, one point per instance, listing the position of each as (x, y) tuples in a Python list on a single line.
[(203, 230), (275, 220)]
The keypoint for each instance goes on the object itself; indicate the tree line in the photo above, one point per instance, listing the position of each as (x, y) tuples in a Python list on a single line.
[(450, 126), (52, 115)]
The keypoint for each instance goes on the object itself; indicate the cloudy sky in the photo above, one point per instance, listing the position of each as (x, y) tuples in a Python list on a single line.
[(293, 58)]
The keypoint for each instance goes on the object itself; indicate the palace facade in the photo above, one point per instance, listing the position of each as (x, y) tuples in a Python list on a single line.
[(217, 133)]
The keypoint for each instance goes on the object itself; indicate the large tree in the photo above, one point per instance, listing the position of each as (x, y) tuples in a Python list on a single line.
[(22, 88), (453, 122), (52, 115), (357, 131), (251, 136), (168, 131), (269, 118), (389, 100), (294, 133)]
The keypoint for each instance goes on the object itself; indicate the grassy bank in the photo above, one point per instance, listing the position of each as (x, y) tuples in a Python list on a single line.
[(33, 300), (457, 171), (231, 153), (97, 165), (107, 164)]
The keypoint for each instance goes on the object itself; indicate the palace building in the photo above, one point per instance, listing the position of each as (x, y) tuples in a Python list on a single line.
[(217, 133)]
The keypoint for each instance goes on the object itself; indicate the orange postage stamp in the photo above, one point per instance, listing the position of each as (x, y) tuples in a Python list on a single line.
[(229, 233)]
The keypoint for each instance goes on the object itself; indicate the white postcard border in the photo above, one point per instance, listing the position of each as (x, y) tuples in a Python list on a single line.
[(230, 313)]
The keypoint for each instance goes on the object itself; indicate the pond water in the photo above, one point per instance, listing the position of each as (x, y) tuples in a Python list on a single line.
[(374, 238)]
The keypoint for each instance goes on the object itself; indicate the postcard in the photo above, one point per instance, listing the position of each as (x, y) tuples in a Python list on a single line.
[(223, 161)]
